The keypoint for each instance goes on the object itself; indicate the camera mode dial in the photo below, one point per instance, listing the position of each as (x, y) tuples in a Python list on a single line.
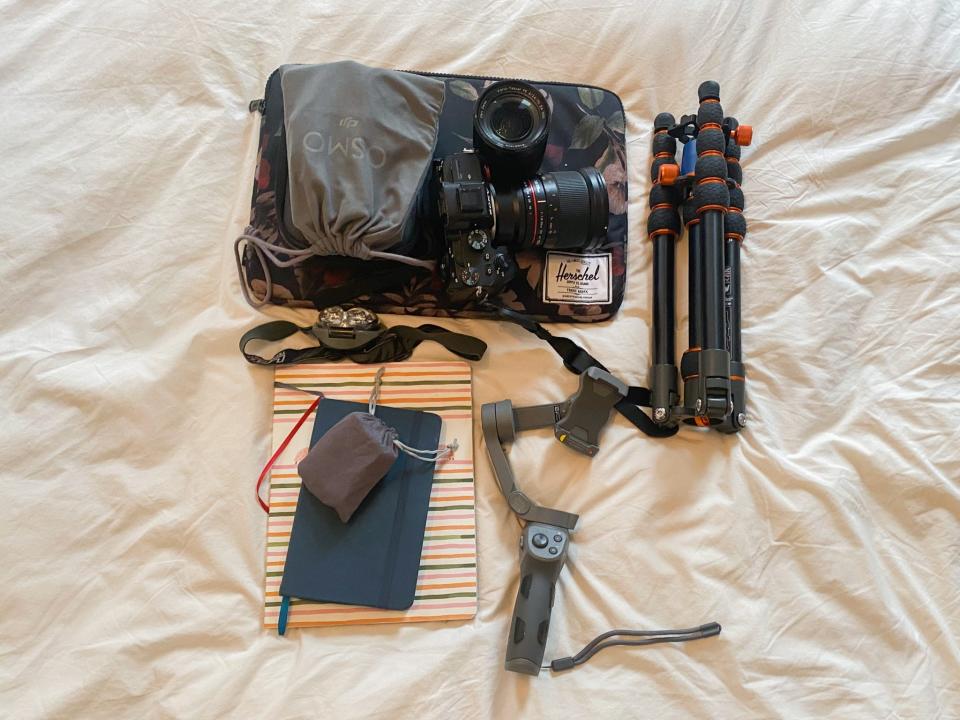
[(477, 239)]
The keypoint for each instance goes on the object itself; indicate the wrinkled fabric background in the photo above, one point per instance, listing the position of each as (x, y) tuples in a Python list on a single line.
[(825, 539)]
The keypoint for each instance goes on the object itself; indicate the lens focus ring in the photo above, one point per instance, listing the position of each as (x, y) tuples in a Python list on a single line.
[(570, 217), (563, 210), (576, 208)]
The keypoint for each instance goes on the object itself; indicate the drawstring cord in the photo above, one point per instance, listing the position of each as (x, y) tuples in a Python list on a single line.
[(425, 455), (375, 392), (266, 250), (429, 455)]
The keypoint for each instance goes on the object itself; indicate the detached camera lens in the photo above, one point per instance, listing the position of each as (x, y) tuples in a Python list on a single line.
[(562, 210), (510, 129)]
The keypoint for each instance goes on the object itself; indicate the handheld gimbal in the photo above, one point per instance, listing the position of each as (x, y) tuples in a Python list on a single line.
[(543, 546), (577, 423), (706, 190)]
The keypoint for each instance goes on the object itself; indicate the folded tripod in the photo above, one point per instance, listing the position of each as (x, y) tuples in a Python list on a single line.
[(705, 189)]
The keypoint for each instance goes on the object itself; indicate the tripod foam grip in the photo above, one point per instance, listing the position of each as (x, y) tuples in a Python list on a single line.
[(732, 156), (710, 192), (541, 560), (664, 146), (736, 224), (664, 218)]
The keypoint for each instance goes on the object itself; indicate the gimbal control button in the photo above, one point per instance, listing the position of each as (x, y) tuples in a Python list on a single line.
[(553, 551), (558, 538), (539, 540)]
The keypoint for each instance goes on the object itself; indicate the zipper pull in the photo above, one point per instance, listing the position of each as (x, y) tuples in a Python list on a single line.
[(257, 105)]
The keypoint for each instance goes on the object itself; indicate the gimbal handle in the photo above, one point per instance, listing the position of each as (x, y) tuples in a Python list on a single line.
[(543, 551)]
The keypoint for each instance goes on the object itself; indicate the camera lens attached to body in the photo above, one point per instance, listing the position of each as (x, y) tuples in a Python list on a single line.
[(560, 210), (492, 202), (483, 223), (510, 129)]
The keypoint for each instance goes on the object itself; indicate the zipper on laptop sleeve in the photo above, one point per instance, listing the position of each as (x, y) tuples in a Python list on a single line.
[(496, 78)]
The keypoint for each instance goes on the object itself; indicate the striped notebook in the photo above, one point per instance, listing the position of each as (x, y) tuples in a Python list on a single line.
[(447, 583)]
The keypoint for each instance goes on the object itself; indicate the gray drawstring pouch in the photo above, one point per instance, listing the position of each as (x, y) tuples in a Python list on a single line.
[(360, 141), (348, 460)]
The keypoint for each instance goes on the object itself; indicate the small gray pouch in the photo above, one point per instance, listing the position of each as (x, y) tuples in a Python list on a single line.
[(348, 460), (360, 141)]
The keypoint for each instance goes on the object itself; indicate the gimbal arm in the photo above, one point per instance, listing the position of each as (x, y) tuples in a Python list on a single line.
[(500, 424), (546, 536)]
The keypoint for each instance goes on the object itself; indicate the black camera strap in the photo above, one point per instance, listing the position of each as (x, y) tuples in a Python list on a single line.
[(577, 360), (394, 343)]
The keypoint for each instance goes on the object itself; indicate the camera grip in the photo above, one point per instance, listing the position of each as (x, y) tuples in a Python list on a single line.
[(543, 552)]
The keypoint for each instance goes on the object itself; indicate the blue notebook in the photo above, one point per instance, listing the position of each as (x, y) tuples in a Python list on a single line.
[(374, 559)]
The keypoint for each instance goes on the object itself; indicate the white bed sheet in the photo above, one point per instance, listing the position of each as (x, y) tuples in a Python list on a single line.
[(825, 539)]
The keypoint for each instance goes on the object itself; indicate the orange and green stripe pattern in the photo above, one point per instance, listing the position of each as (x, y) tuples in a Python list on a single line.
[(447, 583)]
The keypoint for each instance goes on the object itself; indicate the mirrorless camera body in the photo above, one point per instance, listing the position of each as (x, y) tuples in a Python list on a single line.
[(471, 264), (492, 202)]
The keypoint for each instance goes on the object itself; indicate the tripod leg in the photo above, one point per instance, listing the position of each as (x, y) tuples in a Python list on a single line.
[(690, 360), (663, 229), (711, 199), (736, 231)]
